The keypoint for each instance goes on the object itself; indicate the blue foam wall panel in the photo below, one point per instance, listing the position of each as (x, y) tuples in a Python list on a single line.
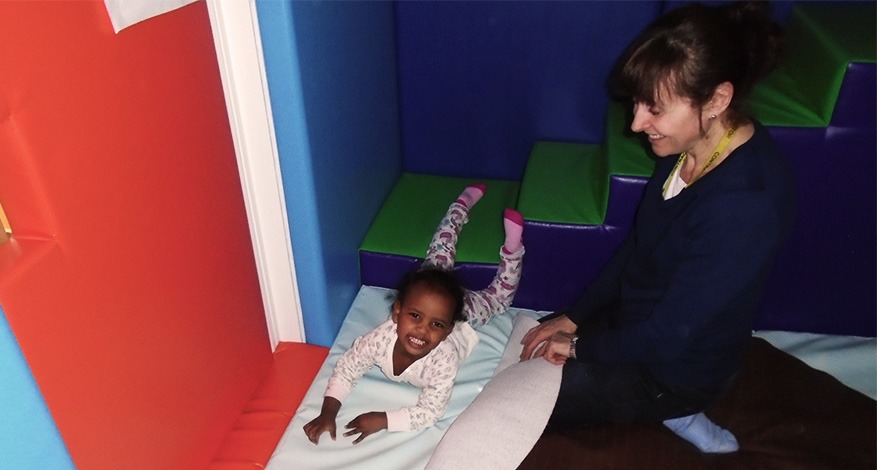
[(481, 81), (332, 79)]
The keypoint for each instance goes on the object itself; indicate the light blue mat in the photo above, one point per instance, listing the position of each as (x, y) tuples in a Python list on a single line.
[(28, 436), (850, 359), (374, 392)]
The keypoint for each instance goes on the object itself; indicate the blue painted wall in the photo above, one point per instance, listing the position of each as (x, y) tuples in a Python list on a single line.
[(332, 80), (28, 436), (481, 81)]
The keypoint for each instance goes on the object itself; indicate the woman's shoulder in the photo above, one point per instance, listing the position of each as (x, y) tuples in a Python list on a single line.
[(763, 143), (757, 164), (771, 165), (756, 188)]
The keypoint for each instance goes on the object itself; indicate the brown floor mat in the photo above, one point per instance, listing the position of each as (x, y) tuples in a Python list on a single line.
[(784, 413)]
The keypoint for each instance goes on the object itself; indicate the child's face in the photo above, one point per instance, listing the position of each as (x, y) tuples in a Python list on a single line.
[(422, 322)]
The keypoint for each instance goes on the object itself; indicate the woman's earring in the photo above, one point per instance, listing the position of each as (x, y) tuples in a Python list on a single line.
[(712, 116)]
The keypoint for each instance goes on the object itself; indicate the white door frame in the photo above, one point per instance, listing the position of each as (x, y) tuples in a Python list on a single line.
[(245, 85)]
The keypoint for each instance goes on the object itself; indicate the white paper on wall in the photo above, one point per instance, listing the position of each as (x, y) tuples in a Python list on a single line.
[(124, 13)]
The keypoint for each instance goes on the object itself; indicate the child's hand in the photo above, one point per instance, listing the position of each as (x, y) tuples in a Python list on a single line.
[(318, 426), (366, 424), (324, 422)]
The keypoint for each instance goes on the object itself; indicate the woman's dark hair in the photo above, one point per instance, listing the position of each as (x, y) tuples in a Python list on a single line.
[(440, 281), (690, 50)]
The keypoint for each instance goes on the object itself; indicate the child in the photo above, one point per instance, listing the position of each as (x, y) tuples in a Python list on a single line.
[(425, 339)]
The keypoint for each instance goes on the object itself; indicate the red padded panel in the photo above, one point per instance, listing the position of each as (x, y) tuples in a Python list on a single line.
[(131, 286), (235, 466), (266, 417)]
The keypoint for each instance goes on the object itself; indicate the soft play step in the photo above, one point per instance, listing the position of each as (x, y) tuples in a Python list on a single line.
[(565, 183), (399, 237), (820, 108), (823, 38), (576, 213)]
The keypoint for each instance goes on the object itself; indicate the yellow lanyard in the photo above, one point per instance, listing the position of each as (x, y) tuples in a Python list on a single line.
[(723, 144)]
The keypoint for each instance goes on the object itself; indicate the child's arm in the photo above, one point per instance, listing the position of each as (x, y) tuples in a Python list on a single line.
[(348, 370), (437, 381), (324, 422), (431, 405)]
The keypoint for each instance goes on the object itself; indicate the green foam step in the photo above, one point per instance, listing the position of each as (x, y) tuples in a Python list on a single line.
[(568, 183), (564, 183), (823, 38), (408, 218)]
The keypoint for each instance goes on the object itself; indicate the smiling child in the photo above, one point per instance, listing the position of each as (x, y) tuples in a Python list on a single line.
[(429, 333)]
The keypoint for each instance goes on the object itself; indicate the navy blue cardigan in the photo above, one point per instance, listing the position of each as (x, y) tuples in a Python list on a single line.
[(686, 281)]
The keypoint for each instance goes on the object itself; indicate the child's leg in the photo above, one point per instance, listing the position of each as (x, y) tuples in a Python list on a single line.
[(443, 248), (702, 432), (481, 306)]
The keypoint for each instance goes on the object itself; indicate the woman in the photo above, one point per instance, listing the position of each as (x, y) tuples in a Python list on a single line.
[(661, 332)]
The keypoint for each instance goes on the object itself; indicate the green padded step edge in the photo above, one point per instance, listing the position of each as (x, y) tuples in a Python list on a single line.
[(408, 218), (569, 183), (823, 39), (564, 182)]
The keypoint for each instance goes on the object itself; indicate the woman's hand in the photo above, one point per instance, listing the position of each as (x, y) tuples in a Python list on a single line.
[(534, 339), (556, 349), (366, 424)]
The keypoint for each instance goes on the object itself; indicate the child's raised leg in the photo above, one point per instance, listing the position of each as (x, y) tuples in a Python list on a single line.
[(480, 306), (443, 248)]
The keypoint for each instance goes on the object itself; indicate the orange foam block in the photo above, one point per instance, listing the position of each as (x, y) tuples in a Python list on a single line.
[(261, 425)]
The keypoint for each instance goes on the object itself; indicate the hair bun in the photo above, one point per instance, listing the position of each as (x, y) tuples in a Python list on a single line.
[(762, 37)]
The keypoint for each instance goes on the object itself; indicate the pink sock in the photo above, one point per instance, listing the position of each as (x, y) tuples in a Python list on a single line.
[(472, 194), (513, 223)]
